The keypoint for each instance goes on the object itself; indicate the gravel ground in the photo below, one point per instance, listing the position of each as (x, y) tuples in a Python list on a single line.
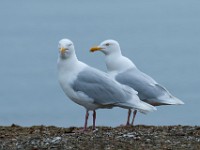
[(105, 138)]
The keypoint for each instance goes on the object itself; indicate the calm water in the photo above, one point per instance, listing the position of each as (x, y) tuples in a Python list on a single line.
[(161, 37)]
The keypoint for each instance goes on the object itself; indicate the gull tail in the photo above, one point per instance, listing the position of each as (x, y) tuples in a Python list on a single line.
[(167, 98), (145, 107), (135, 103), (139, 105), (170, 100), (178, 101)]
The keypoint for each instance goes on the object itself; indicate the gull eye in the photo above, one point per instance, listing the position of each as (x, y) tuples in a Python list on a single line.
[(107, 44), (69, 44)]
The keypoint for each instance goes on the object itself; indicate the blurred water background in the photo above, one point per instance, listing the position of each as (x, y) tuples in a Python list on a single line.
[(161, 37)]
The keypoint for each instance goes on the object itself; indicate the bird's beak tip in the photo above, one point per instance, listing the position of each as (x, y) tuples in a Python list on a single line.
[(95, 48), (62, 49)]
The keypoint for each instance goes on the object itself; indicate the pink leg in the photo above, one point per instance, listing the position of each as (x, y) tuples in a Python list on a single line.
[(134, 114), (128, 119), (86, 120), (94, 119)]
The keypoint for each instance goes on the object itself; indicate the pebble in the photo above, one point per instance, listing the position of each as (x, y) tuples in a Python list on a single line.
[(148, 140), (56, 140)]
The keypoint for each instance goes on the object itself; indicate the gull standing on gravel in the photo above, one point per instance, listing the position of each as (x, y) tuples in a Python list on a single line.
[(92, 88), (125, 72)]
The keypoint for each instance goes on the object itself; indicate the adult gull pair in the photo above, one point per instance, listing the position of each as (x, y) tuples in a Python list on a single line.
[(92, 88)]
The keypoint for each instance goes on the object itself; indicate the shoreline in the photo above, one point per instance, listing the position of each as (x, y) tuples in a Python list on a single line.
[(133, 137)]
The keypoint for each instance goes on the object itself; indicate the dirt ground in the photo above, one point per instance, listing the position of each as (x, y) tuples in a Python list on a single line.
[(104, 138)]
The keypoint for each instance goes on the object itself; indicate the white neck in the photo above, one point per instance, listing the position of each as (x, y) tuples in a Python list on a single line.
[(67, 63), (70, 65), (116, 62)]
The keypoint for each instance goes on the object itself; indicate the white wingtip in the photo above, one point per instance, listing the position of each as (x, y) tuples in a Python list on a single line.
[(178, 101), (172, 101), (145, 107), (139, 105)]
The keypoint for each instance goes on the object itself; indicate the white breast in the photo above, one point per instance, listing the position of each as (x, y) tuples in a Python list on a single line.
[(67, 75)]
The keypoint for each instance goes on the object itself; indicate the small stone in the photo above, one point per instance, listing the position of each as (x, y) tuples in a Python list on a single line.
[(128, 135), (95, 130), (56, 140), (168, 141), (148, 140), (137, 138)]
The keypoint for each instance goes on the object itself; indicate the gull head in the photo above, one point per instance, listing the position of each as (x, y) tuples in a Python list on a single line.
[(66, 48), (107, 47)]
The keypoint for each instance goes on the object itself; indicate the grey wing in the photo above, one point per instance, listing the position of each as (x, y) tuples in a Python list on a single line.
[(147, 87), (98, 86)]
